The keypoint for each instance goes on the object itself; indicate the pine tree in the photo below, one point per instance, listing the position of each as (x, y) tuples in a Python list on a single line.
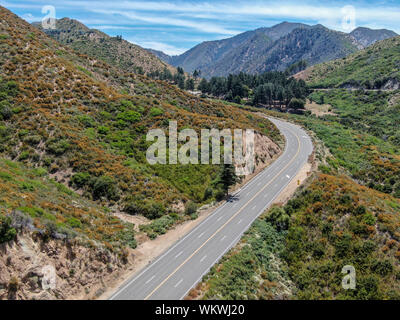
[(228, 178), (189, 84), (203, 86)]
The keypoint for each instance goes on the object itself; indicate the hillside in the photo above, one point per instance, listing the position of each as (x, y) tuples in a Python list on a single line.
[(72, 153), (275, 48), (376, 67), (86, 131), (298, 251), (209, 54), (367, 37), (112, 50)]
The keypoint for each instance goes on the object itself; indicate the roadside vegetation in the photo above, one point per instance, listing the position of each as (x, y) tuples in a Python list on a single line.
[(346, 214)]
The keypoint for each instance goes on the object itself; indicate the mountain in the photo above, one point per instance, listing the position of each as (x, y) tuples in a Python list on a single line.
[(375, 67), (367, 37), (112, 50), (207, 55), (275, 48), (314, 45), (163, 56)]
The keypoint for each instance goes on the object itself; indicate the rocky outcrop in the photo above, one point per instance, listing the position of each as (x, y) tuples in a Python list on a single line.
[(34, 269)]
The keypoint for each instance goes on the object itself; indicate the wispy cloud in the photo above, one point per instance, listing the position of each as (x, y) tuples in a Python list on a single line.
[(172, 26), (164, 47), (203, 27)]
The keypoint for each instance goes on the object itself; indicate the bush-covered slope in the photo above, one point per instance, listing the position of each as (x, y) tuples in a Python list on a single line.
[(376, 67), (86, 122), (33, 201), (299, 251)]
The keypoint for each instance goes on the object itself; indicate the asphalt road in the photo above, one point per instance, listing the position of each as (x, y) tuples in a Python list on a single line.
[(180, 268)]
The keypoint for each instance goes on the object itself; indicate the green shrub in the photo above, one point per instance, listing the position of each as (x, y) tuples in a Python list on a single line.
[(208, 194), (296, 104), (147, 208), (74, 223), (80, 179), (278, 218), (5, 110), (129, 116), (33, 140), (87, 121), (104, 186), (58, 147), (7, 233), (34, 212), (103, 130), (155, 112), (190, 208), (369, 219), (23, 156)]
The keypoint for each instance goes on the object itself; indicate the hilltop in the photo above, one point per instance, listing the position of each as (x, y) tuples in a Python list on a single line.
[(112, 50)]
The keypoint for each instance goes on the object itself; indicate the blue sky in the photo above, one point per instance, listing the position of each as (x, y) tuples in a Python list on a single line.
[(175, 26)]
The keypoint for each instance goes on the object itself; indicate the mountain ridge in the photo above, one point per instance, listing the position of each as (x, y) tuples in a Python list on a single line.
[(257, 51), (112, 50)]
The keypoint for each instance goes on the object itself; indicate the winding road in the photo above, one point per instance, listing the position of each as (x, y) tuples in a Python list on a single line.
[(181, 267)]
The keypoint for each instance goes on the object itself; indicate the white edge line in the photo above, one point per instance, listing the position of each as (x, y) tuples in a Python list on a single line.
[(148, 267), (236, 240)]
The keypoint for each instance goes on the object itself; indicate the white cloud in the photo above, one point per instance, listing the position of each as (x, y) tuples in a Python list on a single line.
[(204, 27), (290, 9), (31, 18), (164, 47)]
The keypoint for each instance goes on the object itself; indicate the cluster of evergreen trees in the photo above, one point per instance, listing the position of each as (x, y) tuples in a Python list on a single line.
[(179, 78), (267, 89)]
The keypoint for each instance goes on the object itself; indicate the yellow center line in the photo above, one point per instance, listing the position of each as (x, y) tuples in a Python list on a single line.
[(233, 217)]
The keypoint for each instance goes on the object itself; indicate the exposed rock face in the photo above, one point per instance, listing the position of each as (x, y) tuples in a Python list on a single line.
[(266, 150), (392, 84), (80, 271)]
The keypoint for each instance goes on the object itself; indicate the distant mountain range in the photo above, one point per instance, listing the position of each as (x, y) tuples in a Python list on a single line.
[(112, 50), (274, 48)]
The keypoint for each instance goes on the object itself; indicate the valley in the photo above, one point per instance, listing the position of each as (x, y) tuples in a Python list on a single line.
[(81, 201)]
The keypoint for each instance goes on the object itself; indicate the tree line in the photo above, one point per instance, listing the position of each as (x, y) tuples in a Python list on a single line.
[(266, 89), (180, 79)]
